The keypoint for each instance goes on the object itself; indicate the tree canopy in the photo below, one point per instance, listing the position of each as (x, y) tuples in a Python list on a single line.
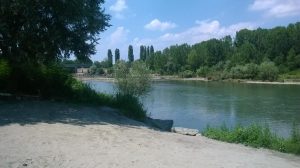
[(109, 58), (117, 55), (44, 31), (130, 54)]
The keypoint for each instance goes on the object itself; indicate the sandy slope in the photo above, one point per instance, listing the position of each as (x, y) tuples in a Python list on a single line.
[(58, 135)]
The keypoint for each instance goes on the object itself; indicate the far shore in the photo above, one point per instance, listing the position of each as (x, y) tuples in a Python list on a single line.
[(175, 78)]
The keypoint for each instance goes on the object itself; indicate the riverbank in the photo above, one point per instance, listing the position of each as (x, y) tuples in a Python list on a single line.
[(64, 135), (175, 78)]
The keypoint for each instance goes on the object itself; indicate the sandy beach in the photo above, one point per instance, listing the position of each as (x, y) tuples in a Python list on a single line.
[(50, 134)]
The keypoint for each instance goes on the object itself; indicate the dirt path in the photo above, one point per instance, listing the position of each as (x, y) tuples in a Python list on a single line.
[(58, 135)]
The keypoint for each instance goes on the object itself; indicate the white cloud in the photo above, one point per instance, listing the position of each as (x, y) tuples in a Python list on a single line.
[(203, 30), (277, 8), (158, 25), (118, 36), (119, 6)]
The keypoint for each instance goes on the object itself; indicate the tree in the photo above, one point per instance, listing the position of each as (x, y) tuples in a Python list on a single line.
[(142, 53), (117, 55), (46, 31), (109, 58), (147, 52), (130, 54), (151, 51), (150, 58), (193, 59)]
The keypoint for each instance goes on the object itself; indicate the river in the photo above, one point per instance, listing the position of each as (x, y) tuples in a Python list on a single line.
[(197, 104)]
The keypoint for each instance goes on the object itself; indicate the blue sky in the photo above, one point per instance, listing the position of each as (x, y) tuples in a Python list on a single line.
[(162, 23)]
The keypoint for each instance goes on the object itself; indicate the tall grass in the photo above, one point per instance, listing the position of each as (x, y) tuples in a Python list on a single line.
[(130, 106), (256, 136)]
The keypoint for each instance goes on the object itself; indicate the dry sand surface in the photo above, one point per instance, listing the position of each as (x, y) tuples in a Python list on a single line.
[(48, 134)]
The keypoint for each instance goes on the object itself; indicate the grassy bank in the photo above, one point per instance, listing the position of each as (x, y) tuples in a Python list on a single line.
[(256, 136), (128, 105), (291, 76)]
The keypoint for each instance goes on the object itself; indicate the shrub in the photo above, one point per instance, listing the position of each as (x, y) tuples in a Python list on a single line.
[(251, 71), (134, 80), (237, 72), (268, 71), (187, 74), (248, 71), (202, 71), (4, 69)]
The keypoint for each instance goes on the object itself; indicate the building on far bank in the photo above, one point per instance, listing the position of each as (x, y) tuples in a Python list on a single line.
[(82, 70)]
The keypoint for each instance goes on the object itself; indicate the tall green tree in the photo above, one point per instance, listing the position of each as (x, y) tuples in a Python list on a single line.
[(109, 58), (151, 51), (43, 31), (147, 52), (117, 55), (142, 53), (130, 54)]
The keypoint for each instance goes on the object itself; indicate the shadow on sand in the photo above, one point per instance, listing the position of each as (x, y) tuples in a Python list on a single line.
[(34, 112)]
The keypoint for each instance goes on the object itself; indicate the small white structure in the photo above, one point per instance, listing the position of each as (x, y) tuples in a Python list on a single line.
[(82, 70)]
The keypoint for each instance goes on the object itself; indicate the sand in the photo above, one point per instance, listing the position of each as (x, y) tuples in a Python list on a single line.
[(49, 134)]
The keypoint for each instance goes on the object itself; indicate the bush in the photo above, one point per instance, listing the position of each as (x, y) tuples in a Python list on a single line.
[(4, 69), (248, 71), (251, 71), (202, 71), (268, 71), (134, 80), (237, 72), (187, 74)]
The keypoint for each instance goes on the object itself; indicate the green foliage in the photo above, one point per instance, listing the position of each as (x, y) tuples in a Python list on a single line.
[(193, 59), (237, 72), (132, 79), (4, 69), (238, 58), (293, 60), (117, 55), (187, 74), (203, 71), (130, 106), (109, 58), (43, 31), (248, 71), (291, 75), (143, 53), (130, 54), (256, 136), (268, 71)]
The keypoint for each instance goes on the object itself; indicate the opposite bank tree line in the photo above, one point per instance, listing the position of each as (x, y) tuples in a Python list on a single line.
[(253, 54)]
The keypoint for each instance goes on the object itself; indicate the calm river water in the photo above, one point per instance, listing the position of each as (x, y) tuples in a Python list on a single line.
[(196, 104)]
